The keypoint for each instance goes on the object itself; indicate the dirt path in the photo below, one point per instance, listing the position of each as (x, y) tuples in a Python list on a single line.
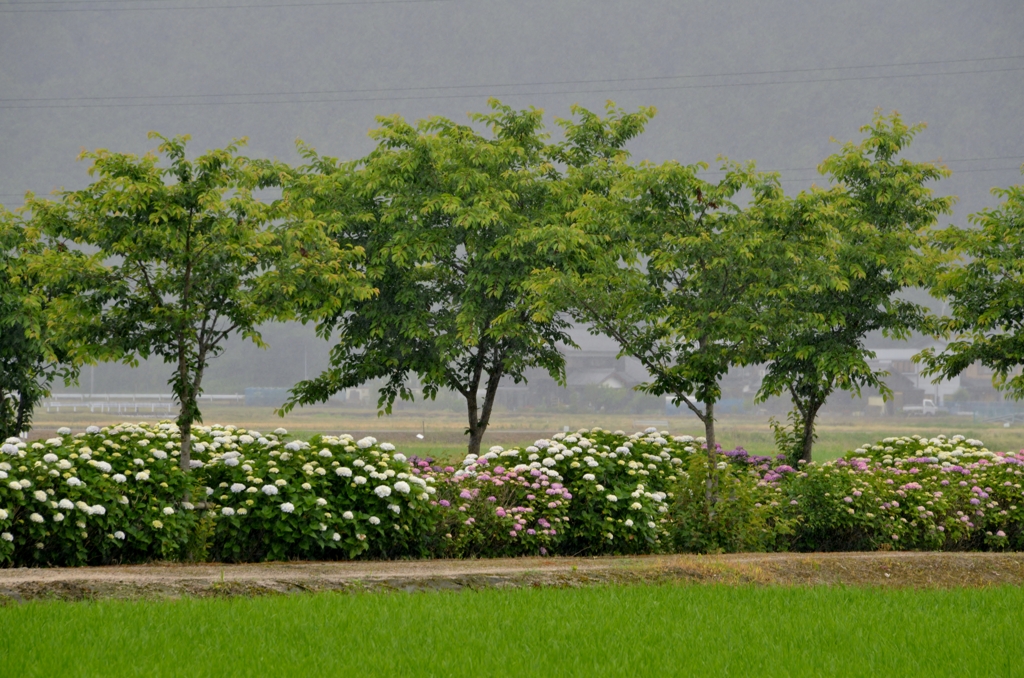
[(932, 570)]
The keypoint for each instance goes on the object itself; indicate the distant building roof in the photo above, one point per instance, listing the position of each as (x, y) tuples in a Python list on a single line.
[(606, 378)]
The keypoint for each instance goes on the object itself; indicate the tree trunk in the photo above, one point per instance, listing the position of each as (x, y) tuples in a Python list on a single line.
[(709, 428), (476, 436), (474, 430), (807, 435), (711, 483), (24, 412), (185, 428)]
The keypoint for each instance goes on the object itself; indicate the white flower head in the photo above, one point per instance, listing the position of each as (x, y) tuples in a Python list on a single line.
[(269, 490), (280, 431), (395, 507), (40, 495), (347, 515), (92, 430), (98, 510), (227, 511), (3, 514), (36, 518), (307, 487), (237, 487), (50, 457), (374, 520), (320, 501), (336, 537), (7, 536), (612, 498), (63, 431), (159, 454), (119, 535), (119, 478), (325, 453), (168, 511), (58, 517), (382, 491), (402, 487), (287, 507), (74, 482), (343, 472), (387, 447)]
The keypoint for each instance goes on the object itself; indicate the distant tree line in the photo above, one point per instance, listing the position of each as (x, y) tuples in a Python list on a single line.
[(455, 256)]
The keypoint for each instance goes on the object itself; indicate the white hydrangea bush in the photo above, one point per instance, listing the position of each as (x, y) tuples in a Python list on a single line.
[(104, 495), (331, 497)]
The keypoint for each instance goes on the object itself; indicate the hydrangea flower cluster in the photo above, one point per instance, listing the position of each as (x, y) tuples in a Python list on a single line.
[(116, 494), (330, 497), (591, 491), (899, 493), (112, 494)]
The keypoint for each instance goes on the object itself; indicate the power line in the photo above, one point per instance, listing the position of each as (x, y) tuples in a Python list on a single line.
[(514, 94), (522, 84), (208, 7)]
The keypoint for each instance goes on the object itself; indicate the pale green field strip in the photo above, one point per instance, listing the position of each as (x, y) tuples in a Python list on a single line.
[(667, 630)]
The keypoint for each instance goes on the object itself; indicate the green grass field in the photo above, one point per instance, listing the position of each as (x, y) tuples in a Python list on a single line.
[(444, 436), (669, 630)]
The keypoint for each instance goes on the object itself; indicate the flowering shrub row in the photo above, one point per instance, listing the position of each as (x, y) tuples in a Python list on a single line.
[(116, 494)]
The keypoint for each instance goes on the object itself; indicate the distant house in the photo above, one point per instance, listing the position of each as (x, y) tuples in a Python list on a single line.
[(605, 378)]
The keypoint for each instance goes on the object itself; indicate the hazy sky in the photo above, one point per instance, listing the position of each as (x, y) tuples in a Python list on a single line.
[(768, 80)]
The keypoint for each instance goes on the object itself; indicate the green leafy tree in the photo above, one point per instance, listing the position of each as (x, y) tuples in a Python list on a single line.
[(874, 225), (190, 257), (985, 290), (443, 213), (35, 284), (683, 278)]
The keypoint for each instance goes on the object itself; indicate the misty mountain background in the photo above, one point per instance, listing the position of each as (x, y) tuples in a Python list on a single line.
[(768, 80)]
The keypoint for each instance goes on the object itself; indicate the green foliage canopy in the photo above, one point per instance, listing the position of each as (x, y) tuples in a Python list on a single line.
[(443, 213), (189, 257), (37, 276), (985, 291), (874, 225)]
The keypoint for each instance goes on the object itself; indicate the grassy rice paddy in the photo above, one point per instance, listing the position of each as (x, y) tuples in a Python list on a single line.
[(444, 436), (599, 631)]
